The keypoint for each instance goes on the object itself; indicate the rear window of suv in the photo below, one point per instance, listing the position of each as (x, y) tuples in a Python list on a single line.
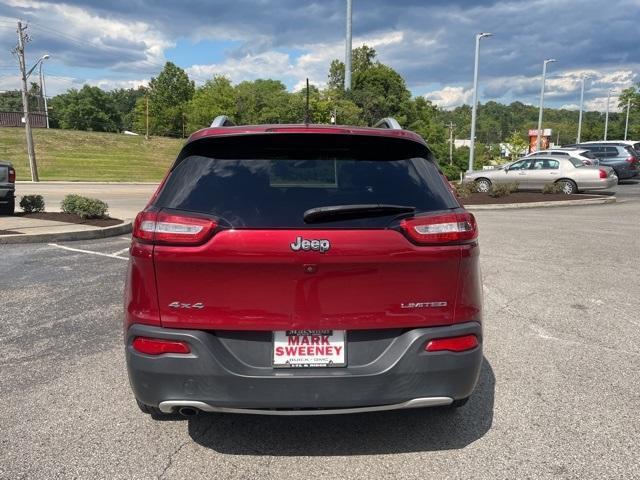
[(275, 191)]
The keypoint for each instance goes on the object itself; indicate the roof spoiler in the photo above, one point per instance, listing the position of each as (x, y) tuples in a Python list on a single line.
[(388, 122)]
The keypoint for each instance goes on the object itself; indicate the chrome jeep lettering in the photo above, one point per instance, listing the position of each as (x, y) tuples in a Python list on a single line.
[(321, 246)]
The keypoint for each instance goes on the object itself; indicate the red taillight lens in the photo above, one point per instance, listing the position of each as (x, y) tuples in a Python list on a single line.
[(158, 346), (166, 229), (452, 344), (12, 175), (437, 229), (632, 160), (603, 173)]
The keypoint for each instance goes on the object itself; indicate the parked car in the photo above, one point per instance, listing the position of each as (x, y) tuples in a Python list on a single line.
[(582, 154), (7, 188), (621, 157), (631, 143), (534, 173), (303, 269)]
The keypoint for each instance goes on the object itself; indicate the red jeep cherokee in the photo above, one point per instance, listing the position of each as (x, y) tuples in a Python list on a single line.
[(303, 269)]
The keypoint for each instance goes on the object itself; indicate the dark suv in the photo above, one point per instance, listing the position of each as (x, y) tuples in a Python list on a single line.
[(622, 158), (303, 269), (7, 188)]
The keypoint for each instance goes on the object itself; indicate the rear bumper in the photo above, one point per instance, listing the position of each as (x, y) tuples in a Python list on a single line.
[(6, 194), (212, 378), (599, 184)]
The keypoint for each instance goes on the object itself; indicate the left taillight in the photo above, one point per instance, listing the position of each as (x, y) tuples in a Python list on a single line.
[(12, 175), (160, 228), (441, 229), (159, 346), (603, 173)]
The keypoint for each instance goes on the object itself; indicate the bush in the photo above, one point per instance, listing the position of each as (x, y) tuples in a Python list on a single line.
[(502, 189), (552, 188), (32, 203), (464, 190), (84, 207), (452, 172)]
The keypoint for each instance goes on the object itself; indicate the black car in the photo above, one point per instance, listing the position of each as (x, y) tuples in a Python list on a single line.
[(623, 158), (7, 188)]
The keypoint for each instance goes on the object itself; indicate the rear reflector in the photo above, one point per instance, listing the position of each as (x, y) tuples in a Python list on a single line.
[(452, 344), (158, 346), (165, 229), (12, 175), (437, 229)]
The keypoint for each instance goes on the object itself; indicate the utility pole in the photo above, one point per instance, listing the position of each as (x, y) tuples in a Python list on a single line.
[(19, 51), (606, 117), (347, 52), (472, 140), (146, 100), (626, 124), (544, 78), (451, 127), (584, 77)]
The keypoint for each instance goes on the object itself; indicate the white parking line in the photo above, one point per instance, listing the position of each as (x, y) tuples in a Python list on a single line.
[(120, 252), (90, 252)]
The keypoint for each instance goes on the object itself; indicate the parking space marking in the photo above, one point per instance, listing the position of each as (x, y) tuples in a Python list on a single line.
[(120, 252), (90, 252)]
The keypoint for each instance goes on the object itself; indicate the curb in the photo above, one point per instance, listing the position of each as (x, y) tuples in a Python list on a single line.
[(560, 203), (112, 231), (82, 182)]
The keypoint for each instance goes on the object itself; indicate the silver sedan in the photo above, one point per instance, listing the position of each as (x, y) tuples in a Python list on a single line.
[(535, 172)]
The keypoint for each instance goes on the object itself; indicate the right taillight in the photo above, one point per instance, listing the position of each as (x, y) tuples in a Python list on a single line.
[(170, 229), (603, 173), (12, 175), (441, 229)]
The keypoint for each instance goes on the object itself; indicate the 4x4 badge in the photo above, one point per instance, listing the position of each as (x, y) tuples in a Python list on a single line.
[(304, 244)]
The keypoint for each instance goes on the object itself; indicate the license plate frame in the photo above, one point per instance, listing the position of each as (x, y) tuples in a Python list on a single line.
[(318, 340)]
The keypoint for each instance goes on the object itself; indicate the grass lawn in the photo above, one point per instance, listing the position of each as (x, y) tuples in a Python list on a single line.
[(89, 156)]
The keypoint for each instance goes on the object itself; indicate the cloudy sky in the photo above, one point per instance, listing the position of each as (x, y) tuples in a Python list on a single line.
[(123, 43)]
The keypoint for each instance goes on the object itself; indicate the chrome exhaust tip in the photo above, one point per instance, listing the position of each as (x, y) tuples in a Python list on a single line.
[(188, 412)]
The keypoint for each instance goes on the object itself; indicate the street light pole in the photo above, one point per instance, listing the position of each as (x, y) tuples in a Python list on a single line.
[(626, 124), (474, 107), (43, 88), (606, 116), (544, 78), (347, 53), (584, 77)]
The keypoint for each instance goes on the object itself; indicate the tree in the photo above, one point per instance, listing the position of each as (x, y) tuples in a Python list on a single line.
[(362, 58), (89, 108), (124, 102), (216, 97), (262, 101), (169, 94), (516, 144)]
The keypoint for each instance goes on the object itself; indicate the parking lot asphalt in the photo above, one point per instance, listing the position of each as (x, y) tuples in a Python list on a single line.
[(558, 397)]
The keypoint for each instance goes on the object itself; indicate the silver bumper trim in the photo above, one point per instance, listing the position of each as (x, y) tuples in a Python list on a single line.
[(171, 405)]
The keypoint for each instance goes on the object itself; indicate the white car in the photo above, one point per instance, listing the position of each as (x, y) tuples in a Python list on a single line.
[(582, 154)]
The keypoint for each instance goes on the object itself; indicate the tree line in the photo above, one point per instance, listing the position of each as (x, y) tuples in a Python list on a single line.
[(174, 106)]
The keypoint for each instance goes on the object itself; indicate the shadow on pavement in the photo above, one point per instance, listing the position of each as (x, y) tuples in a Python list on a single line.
[(361, 434)]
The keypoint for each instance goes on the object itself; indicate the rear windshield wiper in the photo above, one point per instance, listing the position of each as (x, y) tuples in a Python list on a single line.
[(342, 212)]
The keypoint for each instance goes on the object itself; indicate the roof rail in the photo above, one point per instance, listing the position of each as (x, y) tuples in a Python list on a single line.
[(388, 122), (221, 121)]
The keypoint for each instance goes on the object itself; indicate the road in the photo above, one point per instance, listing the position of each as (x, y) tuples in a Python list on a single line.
[(558, 396)]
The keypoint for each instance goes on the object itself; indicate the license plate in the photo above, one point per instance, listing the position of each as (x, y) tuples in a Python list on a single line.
[(309, 348)]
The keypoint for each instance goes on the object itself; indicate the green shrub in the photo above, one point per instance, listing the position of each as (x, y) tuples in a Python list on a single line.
[(84, 207), (452, 172), (32, 203), (464, 190), (502, 189), (552, 188)]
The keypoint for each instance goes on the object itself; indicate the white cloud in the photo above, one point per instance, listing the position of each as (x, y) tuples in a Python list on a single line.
[(450, 97)]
